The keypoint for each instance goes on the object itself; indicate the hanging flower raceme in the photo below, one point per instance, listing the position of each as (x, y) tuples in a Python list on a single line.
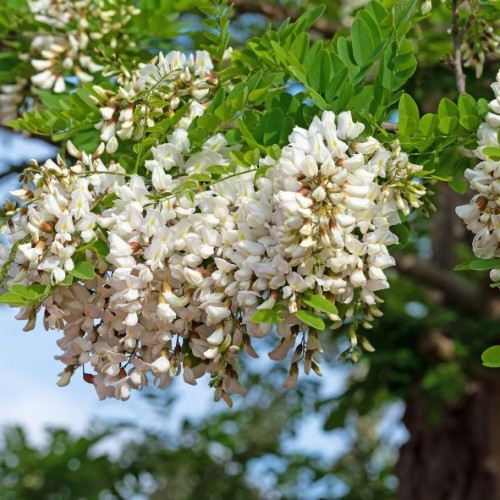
[(482, 213), (67, 49), (149, 279), (335, 200), (481, 41), (63, 50)]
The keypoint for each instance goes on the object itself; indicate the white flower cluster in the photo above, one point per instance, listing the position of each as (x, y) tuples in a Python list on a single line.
[(482, 213), (156, 90), (64, 49), (481, 40), (335, 200), (426, 7), (187, 270)]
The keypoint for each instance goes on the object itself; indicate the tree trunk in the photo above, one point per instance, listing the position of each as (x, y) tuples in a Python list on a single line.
[(458, 456)]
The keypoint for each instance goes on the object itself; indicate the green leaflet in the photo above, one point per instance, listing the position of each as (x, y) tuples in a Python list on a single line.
[(83, 270), (320, 303), (310, 319), (491, 357), (266, 316)]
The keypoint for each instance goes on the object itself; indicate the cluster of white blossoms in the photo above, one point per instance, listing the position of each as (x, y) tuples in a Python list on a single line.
[(335, 200), (157, 89), (426, 7), (179, 275), (73, 27), (62, 49), (481, 41), (482, 214)]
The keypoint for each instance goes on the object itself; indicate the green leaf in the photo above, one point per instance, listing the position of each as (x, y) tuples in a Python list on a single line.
[(491, 357), (458, 186), (492, 152), (67, 281), (344, 50), (310, 319), (107, 201), (273, 126), (101, 249), (300, 46), (447, 108), (266, 316), (362, 41), (428, 123), (85, 246), (217, 170), (484, 264), (407, 125), (209, 122), (305, 21), (448, 124), (336, 418), (261, 172), (467, 108), (464, 266), (404, 10), (200, 177), (402, 231), (467, 105), (320, 71), (408, 107), (320, 303), (83, 270), (31, 292), (345, 96), (469, 122), (13, 299)]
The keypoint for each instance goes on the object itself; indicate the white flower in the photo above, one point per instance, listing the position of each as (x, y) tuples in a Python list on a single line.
[(160, 365), (185, 274), (347, 129), (217, 337), (495, 275), (426, 7), (216, 314), (44, 80), (480, 215), (166, 313)]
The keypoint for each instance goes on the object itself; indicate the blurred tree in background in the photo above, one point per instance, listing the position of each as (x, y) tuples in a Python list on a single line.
[(428, 344)]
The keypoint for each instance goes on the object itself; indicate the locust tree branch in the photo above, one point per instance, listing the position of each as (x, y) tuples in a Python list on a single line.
[(279, 13), (435, 277)]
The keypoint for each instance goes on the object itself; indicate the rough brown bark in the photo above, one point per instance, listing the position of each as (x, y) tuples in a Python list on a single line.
[(447, 228), (457, 457)]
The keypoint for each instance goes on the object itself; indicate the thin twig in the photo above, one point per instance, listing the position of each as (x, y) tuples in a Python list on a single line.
[(457, 51), (390, 127)]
